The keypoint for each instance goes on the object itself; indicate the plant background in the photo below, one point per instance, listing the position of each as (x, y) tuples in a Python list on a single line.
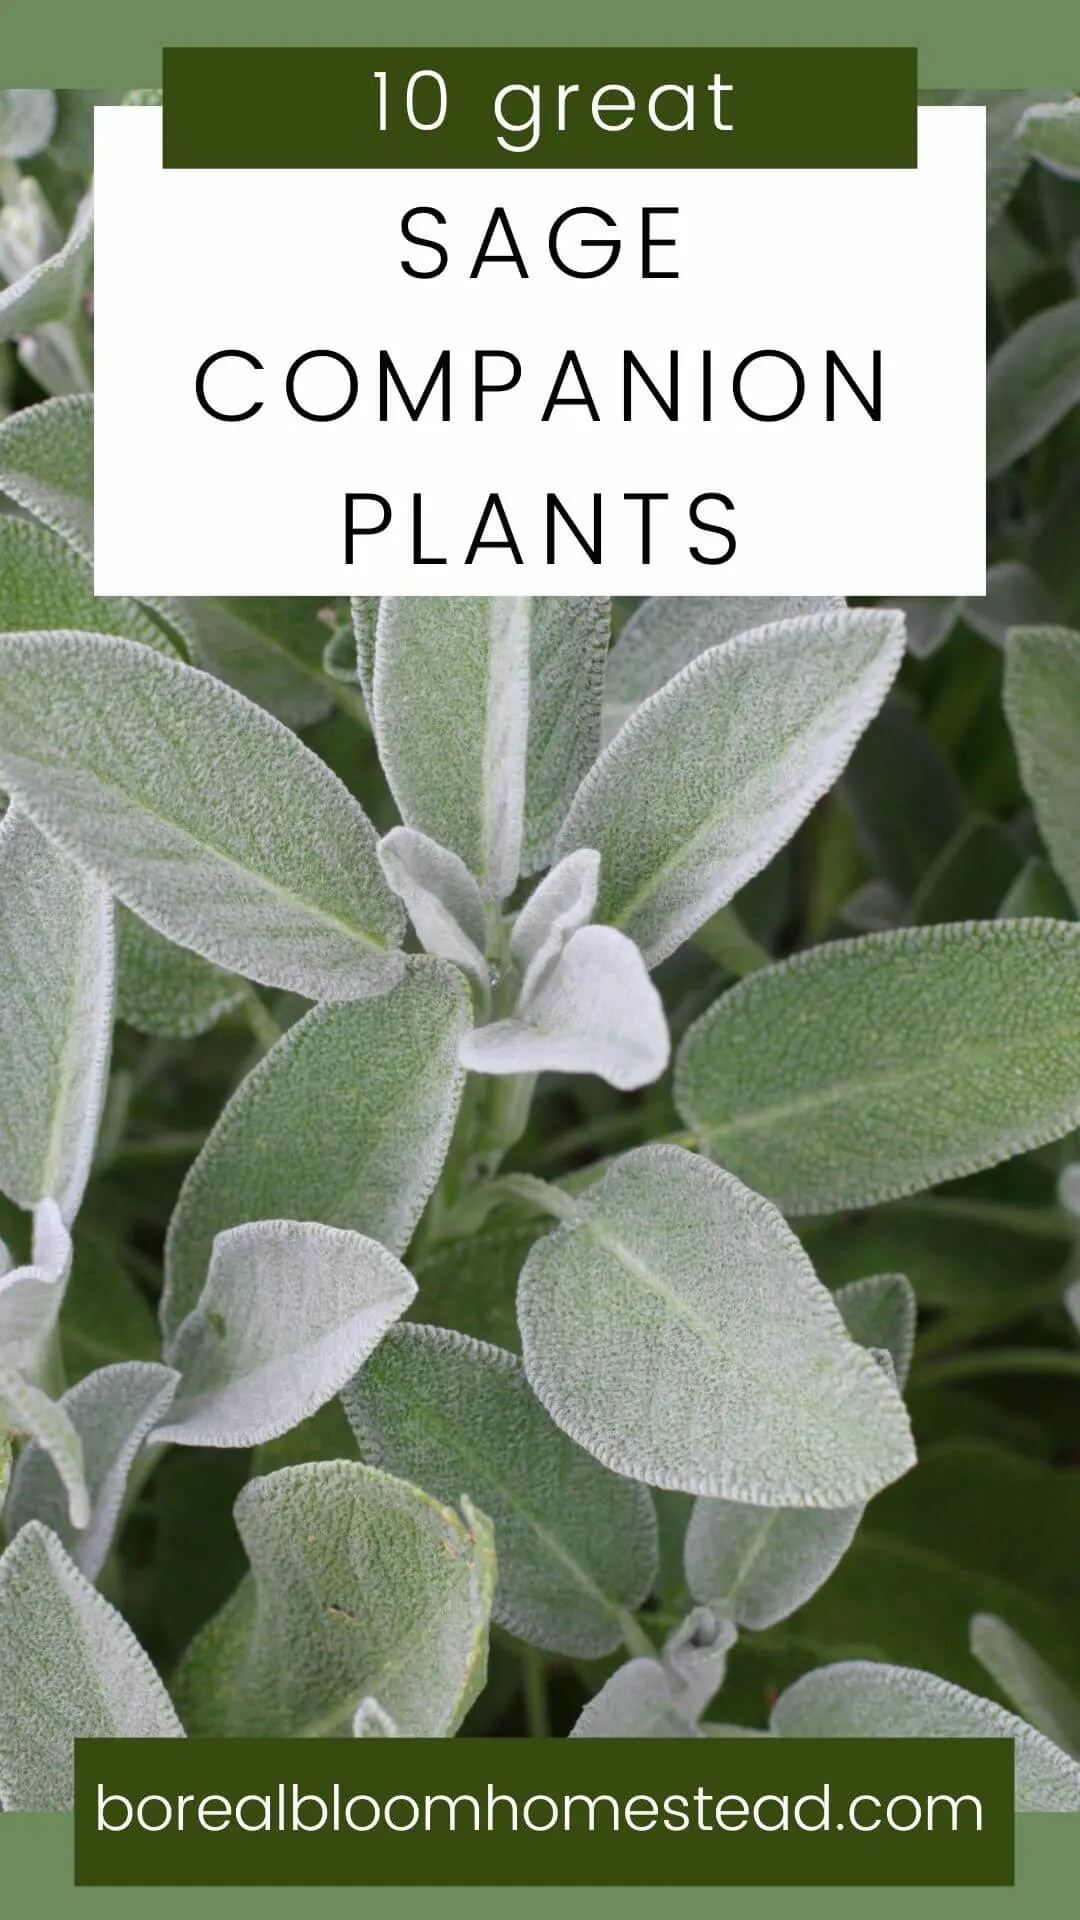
[(929, 823)]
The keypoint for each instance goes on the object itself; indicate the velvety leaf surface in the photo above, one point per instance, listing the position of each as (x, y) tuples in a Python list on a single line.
[(576, 1543), (882, 1312), (47, 465), (759, 1564), (167, 990), (677, 1330), (167, 785), (70, 1669), (270, 650), (27, 120), (1033, 1688), (1033, 381), (56, 1006), (759, 729), (45, 584), (289, 1312), (637, 1703), (567, 651), (25, 1409), (857, 1699), (1051, 131), (440, 896), (1042, 700), (359, 1585), (346, 1121), (871, 1068), (32, 1295), (53, 290)]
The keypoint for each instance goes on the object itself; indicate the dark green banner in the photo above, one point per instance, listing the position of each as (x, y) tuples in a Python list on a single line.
[(540, 107), (535, 1813)]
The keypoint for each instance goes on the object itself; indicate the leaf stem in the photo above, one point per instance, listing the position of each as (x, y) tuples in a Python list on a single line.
[(998, 1360), (534, 1687), (261, 1021)]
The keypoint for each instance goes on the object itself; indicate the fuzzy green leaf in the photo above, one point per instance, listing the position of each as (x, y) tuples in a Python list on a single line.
[(289, 1312), (27, 121), (1051, 131), (346, 1121), (710, 776), (859, 1699), (576, 1543), (45, 584), (758, 1564), (442, 899), (24, 1409), (165, 989), (1042, 700), (47, 465), (881, 1312), (360, 1586), (871, 1068), (678, 1331), (31, 1297), (568, 641), (70, 1669), (56, 1006), (113, 1411), (1024, 1678), (53, 290), (168, 786), (664, 635), (1033, 382), (269, 650)]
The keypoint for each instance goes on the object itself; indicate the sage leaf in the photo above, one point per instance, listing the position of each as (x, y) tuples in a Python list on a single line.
[(53, 290), (1042, 701), (568, 641), (637, 1703), (758, 1564), (1036, 892), (1034, 1689), (677, 1330), (56, 1005), (24, 1409), (168, 786), (70, 1669), (563, 902), (360, 1586), (31, 1296), (371, 1723), (45, 584), (759, 729), (27, 120), (5, 1468), (577, 1544), (596, 1012), (451, 716), (167, 990), (881, 1312), (269, 650), (875, 1067), (345, 1121), (113, 1410), (663, 635), (289, 1312), (440, 896), (365, 619), (1051, 131), (695, 1655), (1014, 597), (47, 465), (1032, 383), (860, 1699)]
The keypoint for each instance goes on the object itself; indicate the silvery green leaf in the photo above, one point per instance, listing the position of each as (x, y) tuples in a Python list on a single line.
[(113, 1410), (24, 1409), (568, 641), (596, 1012), (1051, 131), (1014, 597), (168, 786), (290, 1310), (710, 776), (1036, 1691), (695, 1655), (881, 1312), (1032, 383), (1036, 892), (1042, 701), (31, 1296), (577, 1544), (29, 230), (56, 1007), (371, 1723), (70, 1669), (678, 1331), (451, 716), (860, 1699), (339, 656), (165, 989), (1006, 151), (365, 619), (45, 584), (663, 635), (53, 290), (564, 901), (867, 1069), (47, 466), (440, 897), (929, 623), (360, 1586), (346, 1120), (269, 650), (637, 1703), (758, 1564), (27, 120)]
